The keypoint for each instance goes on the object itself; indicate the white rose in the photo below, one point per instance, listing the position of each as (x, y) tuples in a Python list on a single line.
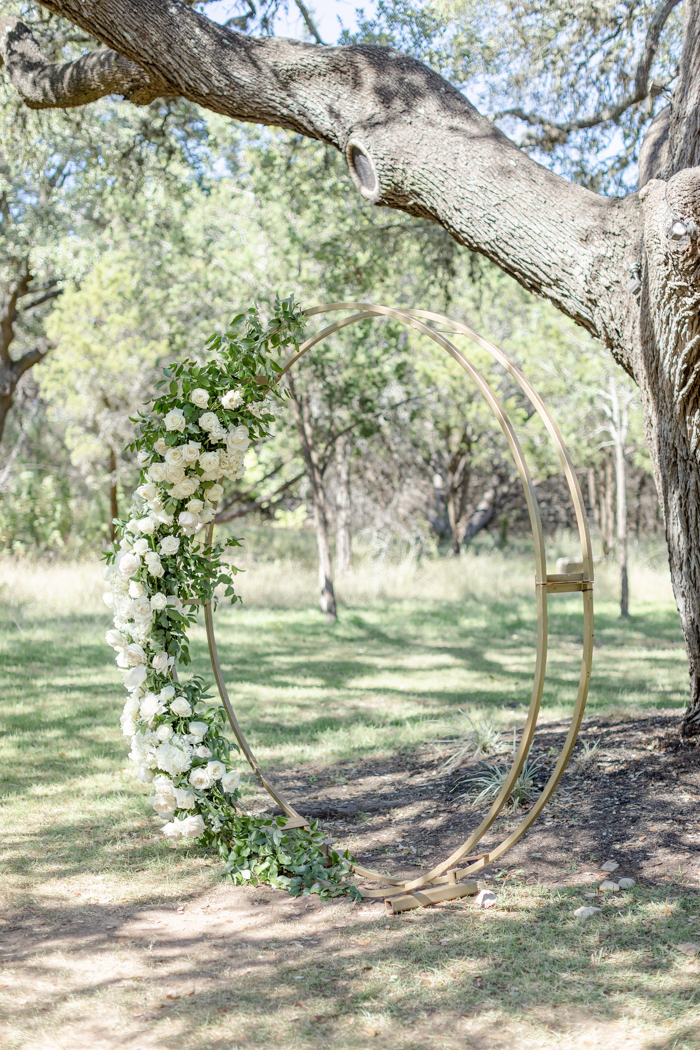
[(232, 399), (230, 781), (192, 827), (129, 564), (174, 457), (158, 601), (143, 456), (156, 472), (135, 677), (108, 599), (172, 759), (136, 589), (161, 662), (172, 830), (175, 603), (160, 446), (207, 514), (174, 475), (180, 707), (146, 526), (144, 774), (200, 397), (217, 433), (134, 655), (125, 543), (164, 733), (187, 487), (140, 547), (209, 462), (198, 729), (185, 799), (164, 805), (169, 545), (149, 492), (160, 517), (237, 439), (188, 522), (141, 610), (167, 693), (215, 493), (201, 779), (151, 706), (216, 769), (194, 506), (202, 752), (209, 421), (190, 451), (116, 639), (132, 525), (155, 566), (163, 785), (175, 420)]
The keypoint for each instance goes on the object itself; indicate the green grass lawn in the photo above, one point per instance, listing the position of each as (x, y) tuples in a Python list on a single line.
[(388, 676)]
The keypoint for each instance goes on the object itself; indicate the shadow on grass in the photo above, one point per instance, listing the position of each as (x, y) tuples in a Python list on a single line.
[(449, 972)]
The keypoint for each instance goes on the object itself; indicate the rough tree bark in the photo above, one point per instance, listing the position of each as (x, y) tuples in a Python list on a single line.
[(318, 494), (626, 269)]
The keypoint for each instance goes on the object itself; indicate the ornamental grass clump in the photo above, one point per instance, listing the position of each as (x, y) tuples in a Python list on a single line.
[(165, 564)]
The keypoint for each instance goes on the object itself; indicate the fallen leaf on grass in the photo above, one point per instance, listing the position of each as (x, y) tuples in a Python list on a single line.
[(367, 1030), (689, 948)]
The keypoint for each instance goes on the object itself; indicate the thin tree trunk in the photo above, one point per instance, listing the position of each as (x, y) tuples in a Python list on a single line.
[(457, 488), (620, 420), (315, 475), (343, 547), (609, 505), (483, 513), (113, 501), (593, 497)]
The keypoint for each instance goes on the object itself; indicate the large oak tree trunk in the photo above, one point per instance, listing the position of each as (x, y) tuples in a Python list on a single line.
[(413, 141)]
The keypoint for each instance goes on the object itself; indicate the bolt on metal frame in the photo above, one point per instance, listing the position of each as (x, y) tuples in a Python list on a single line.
[(444, 881)]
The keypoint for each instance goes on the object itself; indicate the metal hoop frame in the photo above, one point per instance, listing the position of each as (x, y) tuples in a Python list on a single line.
[(442, 880)]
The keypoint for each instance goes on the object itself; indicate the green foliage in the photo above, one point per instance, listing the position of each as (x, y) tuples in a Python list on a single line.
[(264, 851), (35, 513)]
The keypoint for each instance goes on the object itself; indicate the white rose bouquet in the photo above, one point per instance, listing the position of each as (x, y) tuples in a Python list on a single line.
[(194, 435)]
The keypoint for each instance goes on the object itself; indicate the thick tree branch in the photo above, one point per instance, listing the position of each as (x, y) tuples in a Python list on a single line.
[(556, 133), (411, 139), (45, 85)]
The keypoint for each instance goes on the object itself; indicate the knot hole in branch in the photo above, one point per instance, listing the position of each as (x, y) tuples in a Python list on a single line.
[(362, 169)]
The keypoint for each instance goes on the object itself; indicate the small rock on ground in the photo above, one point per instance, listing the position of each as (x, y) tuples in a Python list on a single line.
[(689, 948), (626, 884), (610, 865), (586, 912), (608, 884), (486, 899)]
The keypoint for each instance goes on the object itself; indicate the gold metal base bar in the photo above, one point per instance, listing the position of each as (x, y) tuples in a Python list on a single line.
[(421, 898)]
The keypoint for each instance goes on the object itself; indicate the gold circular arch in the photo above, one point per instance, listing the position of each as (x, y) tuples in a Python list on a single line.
[(445, 880)]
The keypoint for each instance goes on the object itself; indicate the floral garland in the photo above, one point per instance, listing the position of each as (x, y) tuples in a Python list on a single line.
[(195, 435)]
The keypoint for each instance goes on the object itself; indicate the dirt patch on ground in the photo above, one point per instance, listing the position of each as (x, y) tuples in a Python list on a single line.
[(630, 794), (234, 967)]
